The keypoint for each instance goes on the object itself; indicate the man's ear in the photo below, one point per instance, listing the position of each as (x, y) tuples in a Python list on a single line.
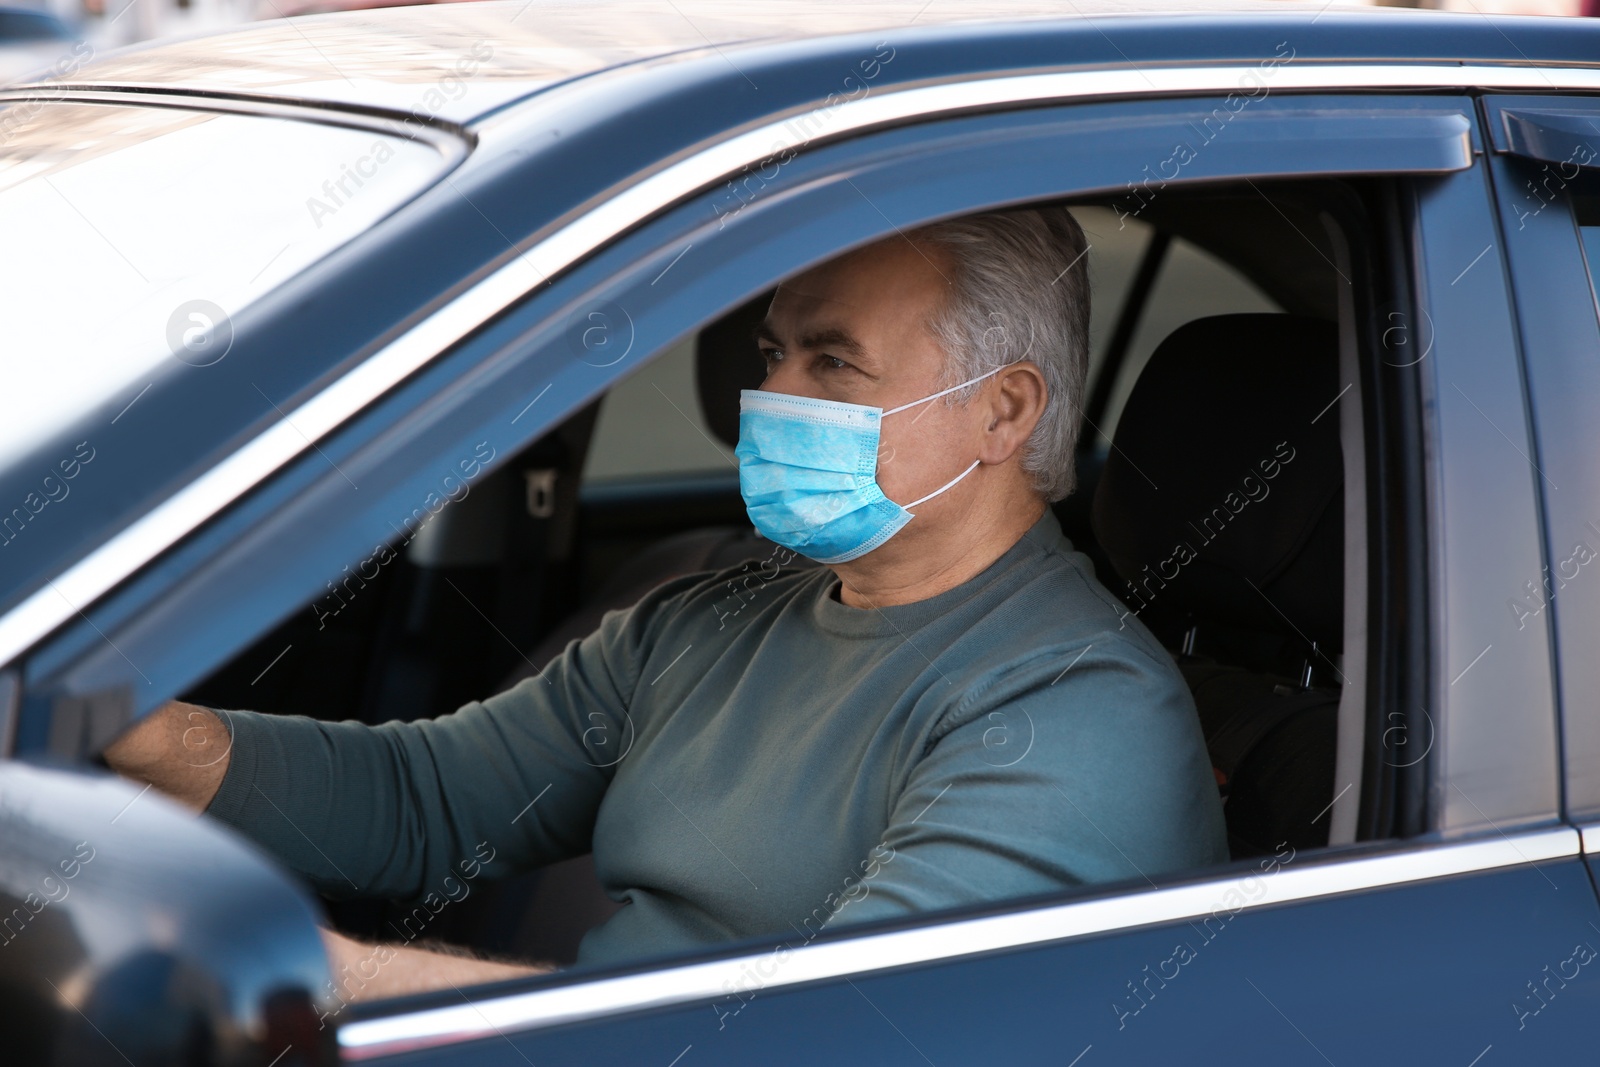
[(1014, 406)]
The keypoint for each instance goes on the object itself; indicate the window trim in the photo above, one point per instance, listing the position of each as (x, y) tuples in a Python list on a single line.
[(583, 1001), (1354, 440), (252, 463), (451, 141)]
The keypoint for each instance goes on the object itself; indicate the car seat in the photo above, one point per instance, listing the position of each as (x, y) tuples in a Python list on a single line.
[(1221, 509)]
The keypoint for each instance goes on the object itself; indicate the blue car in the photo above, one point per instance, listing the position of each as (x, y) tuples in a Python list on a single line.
[(352, 365), (32, 41)]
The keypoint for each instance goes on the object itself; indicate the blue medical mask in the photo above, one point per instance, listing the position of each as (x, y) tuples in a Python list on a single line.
[(808, 473)]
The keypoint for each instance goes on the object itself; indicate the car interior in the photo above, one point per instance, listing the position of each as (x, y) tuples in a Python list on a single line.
[(1213, 500)]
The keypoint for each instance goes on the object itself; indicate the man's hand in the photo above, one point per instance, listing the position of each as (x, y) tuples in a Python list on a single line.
[(371, 972), (180, 749)]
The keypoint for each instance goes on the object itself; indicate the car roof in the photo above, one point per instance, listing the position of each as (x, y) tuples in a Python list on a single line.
[(459, 61), (390, 57)]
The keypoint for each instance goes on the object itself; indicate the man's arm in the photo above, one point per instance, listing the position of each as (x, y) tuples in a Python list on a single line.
[(426, 811), (414, 810), (371, 972), (181, 749)]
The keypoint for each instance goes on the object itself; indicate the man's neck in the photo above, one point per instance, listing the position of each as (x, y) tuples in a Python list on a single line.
[(919, 564)]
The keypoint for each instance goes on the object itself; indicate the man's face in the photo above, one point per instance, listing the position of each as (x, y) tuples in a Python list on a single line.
[(855, 330)]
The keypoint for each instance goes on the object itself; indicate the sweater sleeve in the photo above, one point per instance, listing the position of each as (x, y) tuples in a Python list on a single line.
[(1041, 785), (499, 786)]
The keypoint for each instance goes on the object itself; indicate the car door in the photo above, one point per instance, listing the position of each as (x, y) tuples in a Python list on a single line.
[(1426, 932), (1443, 944)]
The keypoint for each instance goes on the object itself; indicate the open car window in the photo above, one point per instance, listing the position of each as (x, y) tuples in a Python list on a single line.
[(643, 488)]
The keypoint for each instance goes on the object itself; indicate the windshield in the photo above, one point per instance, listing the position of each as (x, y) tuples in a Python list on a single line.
[(133, 234)]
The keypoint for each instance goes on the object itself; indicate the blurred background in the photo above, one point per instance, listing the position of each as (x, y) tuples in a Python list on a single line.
[(34, 34), (37, 33)]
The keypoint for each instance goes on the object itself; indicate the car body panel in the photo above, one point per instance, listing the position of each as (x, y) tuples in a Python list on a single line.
[(1485, 522), (1303, 978)]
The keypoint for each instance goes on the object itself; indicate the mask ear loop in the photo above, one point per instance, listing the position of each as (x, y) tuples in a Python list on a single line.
[(953, 388), (945, 486), (945, 392)]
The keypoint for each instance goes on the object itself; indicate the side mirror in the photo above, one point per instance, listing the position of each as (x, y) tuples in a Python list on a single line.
[(133, 932)]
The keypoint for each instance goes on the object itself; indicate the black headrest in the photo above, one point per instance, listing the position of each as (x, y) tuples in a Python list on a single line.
[(1226, 472), (726, 361)]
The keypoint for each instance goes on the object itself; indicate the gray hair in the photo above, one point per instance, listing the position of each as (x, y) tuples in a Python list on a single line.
[(1021, 291)]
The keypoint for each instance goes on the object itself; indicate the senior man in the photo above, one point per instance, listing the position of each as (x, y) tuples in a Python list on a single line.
[(951, 711)]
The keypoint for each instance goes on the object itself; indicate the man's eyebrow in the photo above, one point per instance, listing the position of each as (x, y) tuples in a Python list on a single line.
[(832, 337), (835, 337)]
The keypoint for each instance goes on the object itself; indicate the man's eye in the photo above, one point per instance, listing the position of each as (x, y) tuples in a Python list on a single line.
[(833, 362)]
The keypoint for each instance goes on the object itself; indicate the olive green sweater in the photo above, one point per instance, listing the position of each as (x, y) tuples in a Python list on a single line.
[(746, 755)]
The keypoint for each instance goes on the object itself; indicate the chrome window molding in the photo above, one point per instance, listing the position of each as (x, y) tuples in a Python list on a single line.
[(522, 1012), (163, 526), (450, 140), (1591, 840)]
